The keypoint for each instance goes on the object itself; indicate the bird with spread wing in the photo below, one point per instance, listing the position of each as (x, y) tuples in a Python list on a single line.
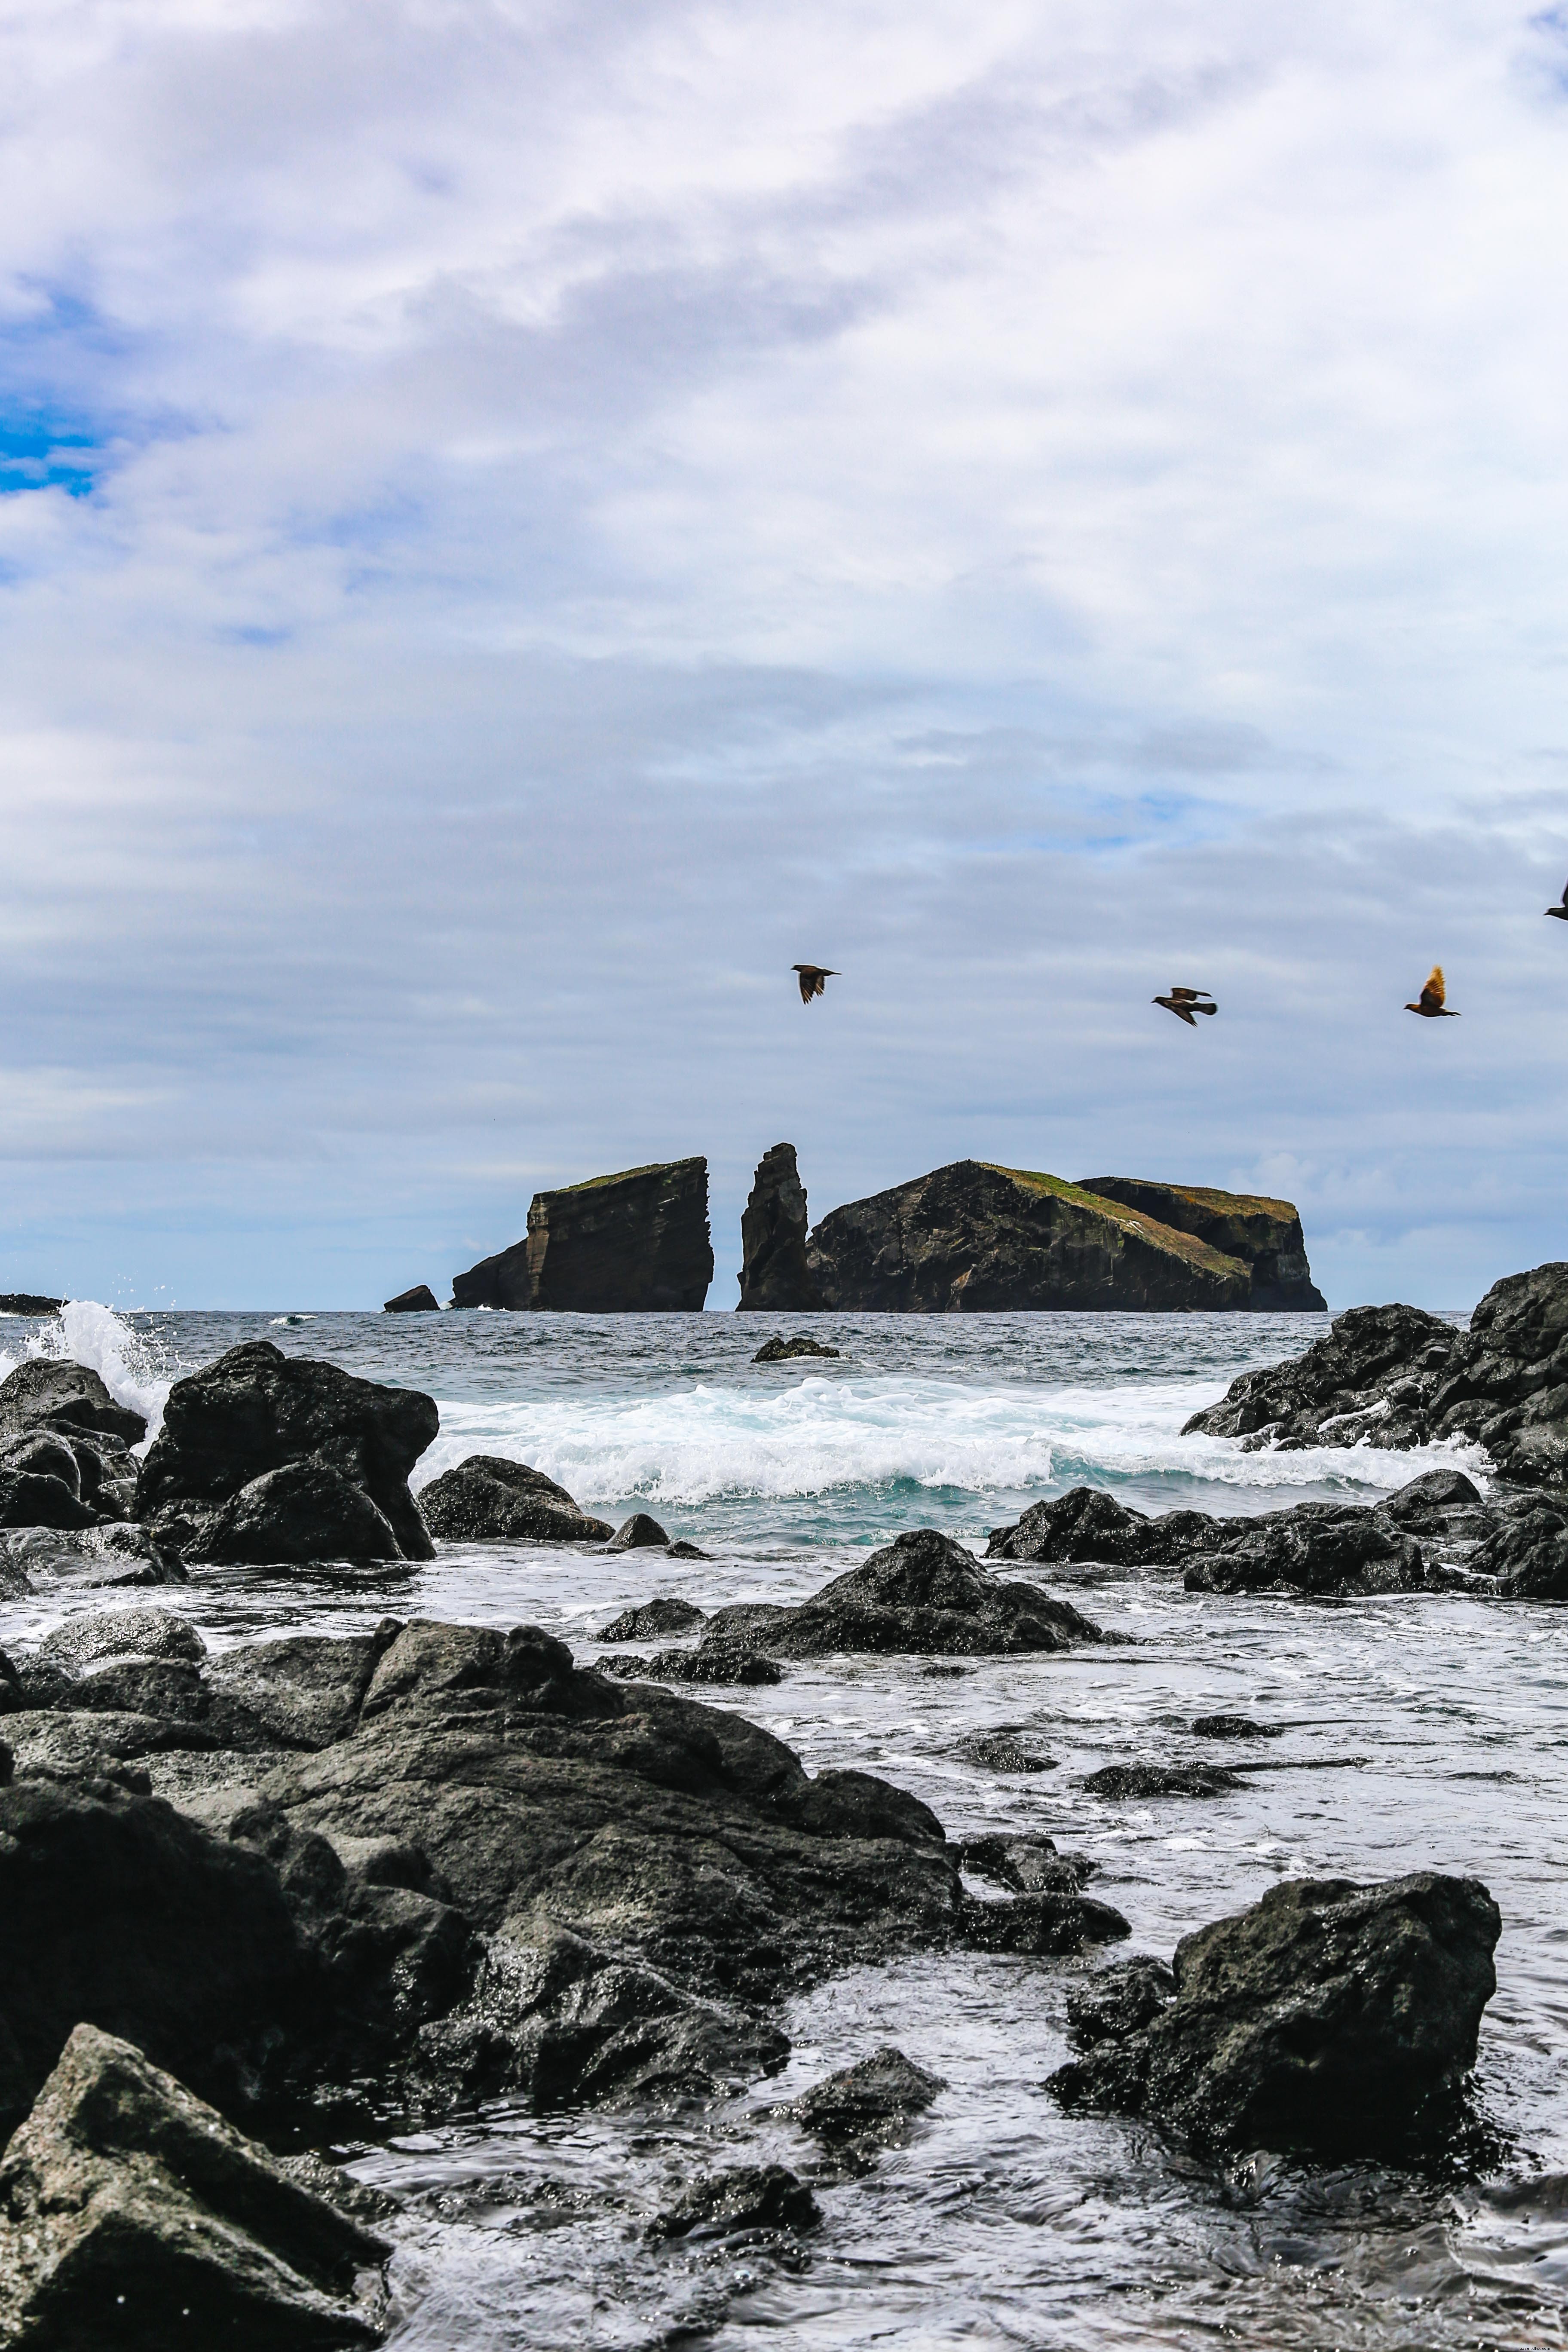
[(814, 979), (1185, 1001), (1431, 1006), (1561, 911)]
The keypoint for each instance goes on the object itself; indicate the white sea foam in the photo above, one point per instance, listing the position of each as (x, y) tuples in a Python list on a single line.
[(816, 1436), (84, 1332)]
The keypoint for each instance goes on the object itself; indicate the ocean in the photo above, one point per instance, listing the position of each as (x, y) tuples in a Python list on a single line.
[(1418, 1731)]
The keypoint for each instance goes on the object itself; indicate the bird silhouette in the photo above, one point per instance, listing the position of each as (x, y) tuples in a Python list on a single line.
[(814, 979), (1432, 1007), (1562, 911), (1185, 1001)]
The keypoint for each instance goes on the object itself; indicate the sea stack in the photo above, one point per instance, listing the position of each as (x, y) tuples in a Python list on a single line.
[(634, 1243), (1264, 1234), (775, 1276), (420, 1300)]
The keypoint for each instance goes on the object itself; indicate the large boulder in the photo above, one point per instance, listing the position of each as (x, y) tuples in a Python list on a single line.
[(774, 1276), (922, 1594), (1506, 1381), (209, 1483), (974, 1237), (133, 2218), (47, 1393), (634, 1243), (488, 1499), (1264, 1234), (1329, 2017)]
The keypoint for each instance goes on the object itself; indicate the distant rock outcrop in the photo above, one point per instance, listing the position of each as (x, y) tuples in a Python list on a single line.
[(976, 1237), (420, 1300), (28, 1302), (1264, 1234), (634, 1243), (775, 1276)]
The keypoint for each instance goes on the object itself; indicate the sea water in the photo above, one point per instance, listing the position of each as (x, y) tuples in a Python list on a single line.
[(1418, 1732)]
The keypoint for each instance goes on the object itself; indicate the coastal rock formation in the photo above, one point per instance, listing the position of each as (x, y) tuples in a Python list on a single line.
[(420, 1300), (1329, 2017), (264, 1456), (46, 1393), (774, 1276), (488, 1499), (636, 1243), (979, 1238), (1395, 1375), (784, 1351), (924, 1594), (28, 1302), (666, 1615), (1264, 1234), (125, 2201)]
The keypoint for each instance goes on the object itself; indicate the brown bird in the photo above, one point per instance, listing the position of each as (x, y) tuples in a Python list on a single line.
[(1561, 912), (1432, 1007), (814, 979), (1185, 1001)]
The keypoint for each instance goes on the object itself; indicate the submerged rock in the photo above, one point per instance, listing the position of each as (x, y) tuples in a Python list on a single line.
[(752, 2197), (111, 1554), (1029, 1865), (870, 2106), (1329, 2017), (420, 1300), (774, 1276), (634, 1243), (1000, 1751), (779, 1350), (212, 1483), (1045, 1925), (1123, 1781), (922, 1594), (667, 1615), (716, 1661), (488, 1499), (1233, 1727), (133, 2217), (1264, 1234)]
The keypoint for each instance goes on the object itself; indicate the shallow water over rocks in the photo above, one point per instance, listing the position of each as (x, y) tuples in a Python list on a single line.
[(1416, 1731)]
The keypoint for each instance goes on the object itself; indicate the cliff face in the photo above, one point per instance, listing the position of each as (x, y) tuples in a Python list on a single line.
[(628, 1244), (1264, 1234), (979, 1238), (775, 1276)]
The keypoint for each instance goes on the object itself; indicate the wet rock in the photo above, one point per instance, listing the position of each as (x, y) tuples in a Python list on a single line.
[(1027, 1865), (779, 1350), (1527, 1551), (1371, 1377), (1000, 1751), (1044, 1924), (29, 1302), (719, 1662), (752, 2197), (487, 1499), (131, 2216), (922, 1594), (775, 1275), (257, 1413), (634, 1243), (667, 1615), (972, 1238), (1435, 1503), (1321, 1550), (1117, 2000), (636, 1534), (687, 1552), (871, 2105), (29, 1500), (109, 1556), (1329, 2017), (1083, 1524), (420, 1300), (1233, 1727), (45, 1392), (1122, 1783), (102, 1637), (859, 1805), (305, 1511), (306, 1688), (1264, 1234)]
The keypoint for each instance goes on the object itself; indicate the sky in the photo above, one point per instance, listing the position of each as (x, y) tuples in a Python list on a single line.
[(518, 523)]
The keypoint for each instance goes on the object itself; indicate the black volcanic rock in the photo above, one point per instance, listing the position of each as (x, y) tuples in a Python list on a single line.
[(1085, 1524), (1372, 1378), (1329, 2017), (639, 1533), (634, 1243), (870, 2105), (487, 1499), (45, 1392), (256, 1412), (124, 2201), (28, 1302), (666, 1615), (420, 1300), (976, 1237), (751, 2196), (923, 1593), (306, 1510), (775, 1276), (780, 1350), (1264, 1234)]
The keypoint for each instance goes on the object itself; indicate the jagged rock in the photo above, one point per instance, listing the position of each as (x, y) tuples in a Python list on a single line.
[(638, 1533), (775, 1276), (1264, 1234), (654, 1618), (133, 2217), (870, 2105), (634, 1243), (45, 1392), (719, 1661), (1000, 1751), (1506, 1382), (1117, 2000), (1027, 1865), (783, 1351), (28, 1302), (752, 2197), (487, 1499), (420, 1300), (1123, 1781), (256, 1412), (1329, 2017), (1528, 1551), (1043, 1925), (977, 1237), (922, 1594), (1082, 1524), (1233, 1727)]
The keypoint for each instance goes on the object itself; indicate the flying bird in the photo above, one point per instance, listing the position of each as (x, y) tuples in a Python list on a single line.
[(814, 979), (1561, 912), (1185, 1001), (1432, 1007)]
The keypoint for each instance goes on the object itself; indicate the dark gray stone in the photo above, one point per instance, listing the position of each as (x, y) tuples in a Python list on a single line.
[(1125, 1782), (420, 1300), (654, 1617), (634, 1243), (753, 2197), (45, 1392), (722, 1661), (873, 2103), (775, 1276), (636, 1534), (1000, 1751), (783, 1351), (488, 1499)]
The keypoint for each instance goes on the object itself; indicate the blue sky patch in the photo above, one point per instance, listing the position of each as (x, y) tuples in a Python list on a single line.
[(39, 453)]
